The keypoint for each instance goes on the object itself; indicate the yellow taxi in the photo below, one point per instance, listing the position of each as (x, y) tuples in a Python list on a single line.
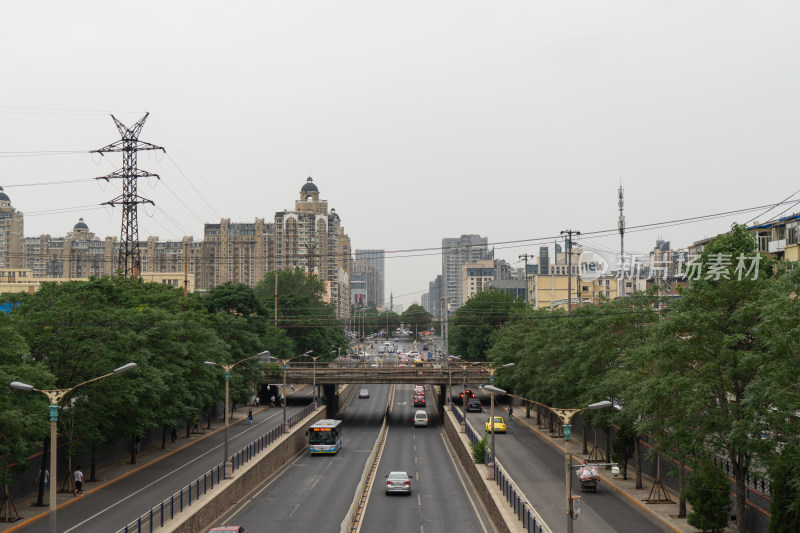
[(499, 425)]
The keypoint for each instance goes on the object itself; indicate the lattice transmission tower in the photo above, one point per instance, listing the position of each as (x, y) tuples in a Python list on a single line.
[(129, 263)]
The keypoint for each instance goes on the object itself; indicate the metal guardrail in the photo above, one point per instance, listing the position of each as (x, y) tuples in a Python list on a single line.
[(352, 520), (760, 484), (531, 521), (165, 511)]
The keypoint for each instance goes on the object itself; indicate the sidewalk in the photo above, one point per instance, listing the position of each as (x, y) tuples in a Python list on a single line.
[(666, 513), (107, 475)]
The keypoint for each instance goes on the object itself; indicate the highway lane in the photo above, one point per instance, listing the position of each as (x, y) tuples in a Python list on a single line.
[(313, 493), (441, 499), (538, 469), (109, 508)]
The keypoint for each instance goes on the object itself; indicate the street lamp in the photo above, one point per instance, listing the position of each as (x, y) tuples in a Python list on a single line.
[(463, 366), (227, 369), (494, 390), (566, 419), (56, 396), (284, 362)]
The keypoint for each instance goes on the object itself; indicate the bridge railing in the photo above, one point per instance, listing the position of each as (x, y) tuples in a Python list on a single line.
[(182, 499), (531, 521)]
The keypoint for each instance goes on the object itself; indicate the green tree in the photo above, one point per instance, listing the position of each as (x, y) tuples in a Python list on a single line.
[(699, 370), (416, 318), (23, 415), (474, 325), (309, 321), (785, 506), (709, 495)]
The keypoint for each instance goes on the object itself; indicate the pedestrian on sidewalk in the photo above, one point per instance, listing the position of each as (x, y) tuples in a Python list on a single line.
[(250, 416), (46, 477), (273, 400), (78, 475), (510, 412), (138, 442), (174, 436), (258, 401)]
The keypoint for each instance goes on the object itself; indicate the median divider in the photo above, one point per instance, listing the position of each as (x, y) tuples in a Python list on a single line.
[(352, 520), (515, 513)]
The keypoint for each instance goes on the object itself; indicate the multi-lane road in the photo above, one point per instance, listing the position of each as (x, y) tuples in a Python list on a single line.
[(314, 493)]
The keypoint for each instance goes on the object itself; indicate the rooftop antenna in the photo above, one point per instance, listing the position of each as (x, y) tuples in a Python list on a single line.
[(621, 226)]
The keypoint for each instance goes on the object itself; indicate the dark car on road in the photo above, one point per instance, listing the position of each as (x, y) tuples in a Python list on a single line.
[(474, 404)]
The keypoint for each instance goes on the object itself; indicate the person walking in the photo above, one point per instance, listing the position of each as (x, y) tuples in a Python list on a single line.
[(273, 400), (46, 477), (250, 416), (174, 436), (78, 475), (510, 412)]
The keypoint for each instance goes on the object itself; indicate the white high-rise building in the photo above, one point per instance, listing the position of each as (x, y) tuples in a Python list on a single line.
[(457, 252)]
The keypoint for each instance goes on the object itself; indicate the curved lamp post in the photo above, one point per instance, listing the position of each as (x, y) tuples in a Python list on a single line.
[(492, 391), (56, 396), (284, 363), (227, 368), (566, 418)]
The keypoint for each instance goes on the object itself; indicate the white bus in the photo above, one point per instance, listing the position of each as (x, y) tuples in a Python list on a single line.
[(325, 436)]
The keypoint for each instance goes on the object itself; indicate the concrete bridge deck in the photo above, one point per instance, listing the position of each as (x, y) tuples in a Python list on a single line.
[(364, 372)]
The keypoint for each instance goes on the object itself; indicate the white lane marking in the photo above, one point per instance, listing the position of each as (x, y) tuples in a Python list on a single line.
[(131, 495), (463, 483), (276, 476)]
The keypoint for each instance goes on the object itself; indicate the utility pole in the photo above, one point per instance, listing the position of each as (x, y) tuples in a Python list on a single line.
[(569, 233), (129, 263), (621, 226), (185, 270), (525, 256), (276, 299), (444, 329)]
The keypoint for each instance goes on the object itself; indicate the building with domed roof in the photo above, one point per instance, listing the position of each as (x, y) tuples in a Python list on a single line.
[(11, 234), (310, 237)]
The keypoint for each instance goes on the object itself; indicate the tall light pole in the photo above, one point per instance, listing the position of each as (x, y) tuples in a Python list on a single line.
[(566, 419), (494, 390), (284, 362), (227, 369), (55, 396)]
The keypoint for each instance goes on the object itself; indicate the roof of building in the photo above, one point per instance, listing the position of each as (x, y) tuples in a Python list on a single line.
[(334, 215), (309, 186), (776, 222), (4, 196), (80, 225)]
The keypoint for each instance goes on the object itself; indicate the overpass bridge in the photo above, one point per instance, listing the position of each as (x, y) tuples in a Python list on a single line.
[(330, 374)]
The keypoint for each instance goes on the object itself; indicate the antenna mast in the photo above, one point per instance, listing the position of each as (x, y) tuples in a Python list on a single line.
[(621, 226)]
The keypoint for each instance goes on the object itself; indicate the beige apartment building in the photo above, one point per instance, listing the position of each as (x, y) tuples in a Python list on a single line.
[(11, 234), (23, 280), (475, 277), (551, 291), (310, 237)]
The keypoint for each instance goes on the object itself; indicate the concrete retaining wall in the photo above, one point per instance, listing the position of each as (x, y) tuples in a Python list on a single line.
[(202, 515), (476, 473)]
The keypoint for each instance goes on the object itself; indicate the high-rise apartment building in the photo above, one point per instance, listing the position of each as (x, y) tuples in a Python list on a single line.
[(370, 275), (457, 252), (11, 234), (376, 258)]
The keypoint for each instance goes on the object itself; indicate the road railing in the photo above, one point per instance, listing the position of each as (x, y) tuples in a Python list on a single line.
[(532, 522), (182, 499)]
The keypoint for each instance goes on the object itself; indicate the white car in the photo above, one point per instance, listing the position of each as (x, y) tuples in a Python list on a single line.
[(398, 482), (363, 393), (421, 419)]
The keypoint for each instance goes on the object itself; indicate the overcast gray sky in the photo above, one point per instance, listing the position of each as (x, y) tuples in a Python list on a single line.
[(417, 120)]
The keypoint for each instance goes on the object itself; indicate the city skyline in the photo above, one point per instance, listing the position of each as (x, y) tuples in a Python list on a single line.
[(514, 122)]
